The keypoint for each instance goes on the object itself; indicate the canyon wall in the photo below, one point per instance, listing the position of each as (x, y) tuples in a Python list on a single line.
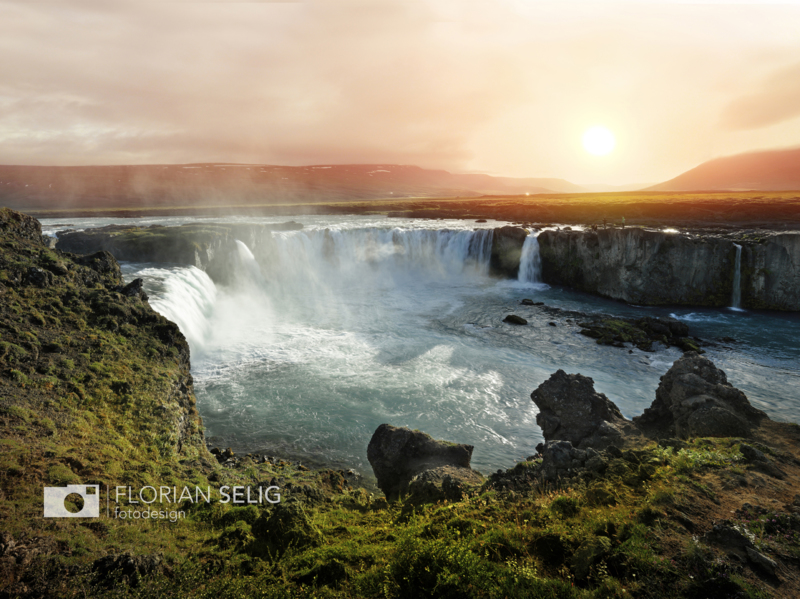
[(655, 268)]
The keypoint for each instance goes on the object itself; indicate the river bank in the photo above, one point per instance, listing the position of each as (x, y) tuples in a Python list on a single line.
[(95, 391)]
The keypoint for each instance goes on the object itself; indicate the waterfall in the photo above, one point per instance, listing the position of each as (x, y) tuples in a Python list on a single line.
[(438, 252), (530, 263), (249, 263), (736, 295), (184, 295)]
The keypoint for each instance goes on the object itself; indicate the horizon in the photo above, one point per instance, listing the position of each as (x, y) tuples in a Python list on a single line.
[(506, 90)]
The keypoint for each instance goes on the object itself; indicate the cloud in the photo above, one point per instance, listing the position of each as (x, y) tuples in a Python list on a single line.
[(506, 87), (776, 102)]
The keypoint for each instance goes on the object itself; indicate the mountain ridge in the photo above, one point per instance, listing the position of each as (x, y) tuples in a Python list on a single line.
[(218, 183), (766, 170)]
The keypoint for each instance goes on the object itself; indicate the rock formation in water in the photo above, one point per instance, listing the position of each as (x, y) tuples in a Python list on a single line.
[(655, 268), (571, 410), (694, 399), (412, 462), (507, 245)]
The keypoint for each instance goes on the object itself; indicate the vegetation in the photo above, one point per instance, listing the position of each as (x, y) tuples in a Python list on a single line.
[(90, 392), (673, 209)]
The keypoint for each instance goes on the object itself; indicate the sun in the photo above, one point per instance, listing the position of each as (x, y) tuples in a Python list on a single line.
[(598, 141)]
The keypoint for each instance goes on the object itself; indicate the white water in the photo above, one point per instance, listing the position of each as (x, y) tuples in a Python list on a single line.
[(530, 265), (736, 295), (248, 261), (185, 295), (359, 325)]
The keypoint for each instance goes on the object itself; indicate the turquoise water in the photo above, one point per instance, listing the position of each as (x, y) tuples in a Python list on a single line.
[(398, 321)]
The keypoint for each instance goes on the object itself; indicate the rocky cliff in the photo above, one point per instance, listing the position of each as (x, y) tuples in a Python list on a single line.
[(656, 268), (207, 246), (74, 335), (771, 272)]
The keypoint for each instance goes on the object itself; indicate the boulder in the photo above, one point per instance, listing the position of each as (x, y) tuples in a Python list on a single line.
[(514, 319), (571, 410), (694, 399), (444, 482), (398, 455)]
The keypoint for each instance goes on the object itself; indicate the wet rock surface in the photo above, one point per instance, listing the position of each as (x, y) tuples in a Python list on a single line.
[(695, 399), (507, 245), (640, 332)]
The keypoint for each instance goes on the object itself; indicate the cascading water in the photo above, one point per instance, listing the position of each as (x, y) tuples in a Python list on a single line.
[(445, 252), (359, 324), (736, 295), (185, 295), (530, 264), (248, 261)]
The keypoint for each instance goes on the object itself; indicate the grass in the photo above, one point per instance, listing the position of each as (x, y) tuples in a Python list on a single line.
[(81, 402), (677, 209)]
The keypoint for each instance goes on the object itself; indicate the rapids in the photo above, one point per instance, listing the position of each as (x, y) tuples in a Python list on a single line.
[(355, 321)]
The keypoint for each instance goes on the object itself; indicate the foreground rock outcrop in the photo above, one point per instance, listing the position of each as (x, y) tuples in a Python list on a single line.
[(571, 410), (412, 462), (694, 399), (74, 332)]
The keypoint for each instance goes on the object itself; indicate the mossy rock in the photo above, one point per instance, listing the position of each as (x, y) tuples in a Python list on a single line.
[(588, 554), (285, 526)]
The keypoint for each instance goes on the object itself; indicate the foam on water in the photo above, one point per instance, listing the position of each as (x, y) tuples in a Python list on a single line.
[(530, 264), (348, 326)]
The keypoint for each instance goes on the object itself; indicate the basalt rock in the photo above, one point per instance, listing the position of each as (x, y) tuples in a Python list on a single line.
[(209, 246), (507, 245), (694, 399), (656, 268), (514, 319), (641, 332), (571, 410), (398, 455)]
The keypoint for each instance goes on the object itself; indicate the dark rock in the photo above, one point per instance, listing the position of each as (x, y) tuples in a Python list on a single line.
[(17, 224), (733, 541), (507, 245), (514, 319), (134, 289), (761, 561), (397, 455), (444, 482), (571, 410), (694, 399), (641, 332), (38, 277), (527, 302), (552, 324), (751, 454)]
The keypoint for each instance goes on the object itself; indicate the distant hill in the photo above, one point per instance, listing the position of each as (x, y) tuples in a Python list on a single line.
[(774, 170), (46, 187)]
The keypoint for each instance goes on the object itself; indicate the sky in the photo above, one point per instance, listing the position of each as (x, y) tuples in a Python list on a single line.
[(504, 87)]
